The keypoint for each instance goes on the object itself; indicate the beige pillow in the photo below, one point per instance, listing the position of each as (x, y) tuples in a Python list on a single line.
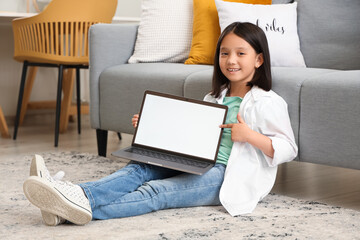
[(165, 31)]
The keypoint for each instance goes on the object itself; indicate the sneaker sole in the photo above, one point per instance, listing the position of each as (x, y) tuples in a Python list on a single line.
[(36, 164), (48, 199)]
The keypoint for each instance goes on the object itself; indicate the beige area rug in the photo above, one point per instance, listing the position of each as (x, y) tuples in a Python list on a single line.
[(276, 217)]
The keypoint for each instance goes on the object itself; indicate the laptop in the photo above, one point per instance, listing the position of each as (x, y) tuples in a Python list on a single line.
[(177, 133)]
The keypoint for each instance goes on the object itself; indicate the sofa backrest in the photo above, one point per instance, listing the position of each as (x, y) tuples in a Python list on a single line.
[(329, 33)]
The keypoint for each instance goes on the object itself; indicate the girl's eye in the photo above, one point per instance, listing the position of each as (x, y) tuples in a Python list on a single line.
[(241, 53), (223, 54)]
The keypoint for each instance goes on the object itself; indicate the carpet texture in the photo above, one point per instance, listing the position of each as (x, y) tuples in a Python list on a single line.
[(276, 217)]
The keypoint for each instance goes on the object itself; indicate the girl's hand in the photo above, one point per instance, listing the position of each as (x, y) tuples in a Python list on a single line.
[(135, 120), (239, 131)]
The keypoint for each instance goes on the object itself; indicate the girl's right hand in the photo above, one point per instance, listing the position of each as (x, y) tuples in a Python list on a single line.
[(135, 120)]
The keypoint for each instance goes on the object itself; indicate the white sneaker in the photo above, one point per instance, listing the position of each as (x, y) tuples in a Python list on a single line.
[(38, 168), (62, 199)]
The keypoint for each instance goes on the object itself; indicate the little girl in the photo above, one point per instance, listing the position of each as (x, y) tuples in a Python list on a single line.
[(257, 137)]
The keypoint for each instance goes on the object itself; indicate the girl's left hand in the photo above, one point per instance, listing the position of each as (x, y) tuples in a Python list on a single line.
[(239, 131), (135, 120)]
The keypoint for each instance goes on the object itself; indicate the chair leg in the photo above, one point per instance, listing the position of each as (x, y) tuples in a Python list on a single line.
[(78, 99), (4, 131), (67, 90), (27, 92), (101, 137), (20, 99), (58, 105)]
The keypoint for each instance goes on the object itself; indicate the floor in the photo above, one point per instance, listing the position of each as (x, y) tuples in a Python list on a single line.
[(332, 185)]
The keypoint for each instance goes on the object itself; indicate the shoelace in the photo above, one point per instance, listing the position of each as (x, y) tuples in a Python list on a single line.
[(65, 183)]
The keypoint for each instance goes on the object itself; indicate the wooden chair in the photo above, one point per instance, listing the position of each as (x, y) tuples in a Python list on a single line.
[(4, 131), (57, 37)]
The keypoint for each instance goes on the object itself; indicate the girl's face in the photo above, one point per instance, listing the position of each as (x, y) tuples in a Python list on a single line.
[(238, 60)]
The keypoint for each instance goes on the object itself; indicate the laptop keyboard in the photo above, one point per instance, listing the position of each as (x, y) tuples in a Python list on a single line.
[(168, 157)]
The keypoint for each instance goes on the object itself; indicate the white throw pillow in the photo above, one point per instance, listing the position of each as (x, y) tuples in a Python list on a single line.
[(279, 22), (165, 31)]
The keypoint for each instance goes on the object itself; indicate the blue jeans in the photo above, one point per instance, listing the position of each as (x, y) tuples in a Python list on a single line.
[(141, 188)]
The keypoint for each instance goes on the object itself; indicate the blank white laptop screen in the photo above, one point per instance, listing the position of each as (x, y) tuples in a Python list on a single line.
[(180, 126)]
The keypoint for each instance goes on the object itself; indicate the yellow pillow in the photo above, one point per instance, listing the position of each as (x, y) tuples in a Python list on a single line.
[(206, 30)]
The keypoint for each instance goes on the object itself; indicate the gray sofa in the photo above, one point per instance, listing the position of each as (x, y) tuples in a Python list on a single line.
[(322, 98)]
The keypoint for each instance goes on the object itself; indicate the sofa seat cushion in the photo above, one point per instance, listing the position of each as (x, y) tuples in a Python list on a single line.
[(330, 110), (198, 84), (122, 88), (287, 82)]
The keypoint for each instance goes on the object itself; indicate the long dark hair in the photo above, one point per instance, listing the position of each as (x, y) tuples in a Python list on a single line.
[(256, 37)]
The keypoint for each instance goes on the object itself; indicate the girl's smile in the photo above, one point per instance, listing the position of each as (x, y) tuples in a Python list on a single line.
[(233, 69)]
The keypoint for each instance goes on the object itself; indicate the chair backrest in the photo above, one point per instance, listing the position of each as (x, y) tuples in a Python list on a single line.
[(59, 34)]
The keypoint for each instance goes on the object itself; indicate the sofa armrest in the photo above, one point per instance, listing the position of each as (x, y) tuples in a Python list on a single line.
[(110, 45)]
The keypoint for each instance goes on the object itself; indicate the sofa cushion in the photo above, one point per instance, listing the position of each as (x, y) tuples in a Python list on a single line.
[(330, 110), (122, 88), (287, 83), (329, 33), (198, 84)]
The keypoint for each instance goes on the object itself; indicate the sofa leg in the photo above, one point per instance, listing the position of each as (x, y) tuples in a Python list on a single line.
[(119, 136), (101, 137)]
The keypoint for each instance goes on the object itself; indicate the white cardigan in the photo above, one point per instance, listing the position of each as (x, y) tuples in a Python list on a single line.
[(250, 174)]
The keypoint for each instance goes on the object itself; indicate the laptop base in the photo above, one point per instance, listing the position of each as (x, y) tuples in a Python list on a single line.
[(128, 154)]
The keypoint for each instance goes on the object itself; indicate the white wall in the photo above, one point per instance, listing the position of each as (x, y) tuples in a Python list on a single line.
[(125, 8), (128, 8), (13, 5), (46, 80)]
